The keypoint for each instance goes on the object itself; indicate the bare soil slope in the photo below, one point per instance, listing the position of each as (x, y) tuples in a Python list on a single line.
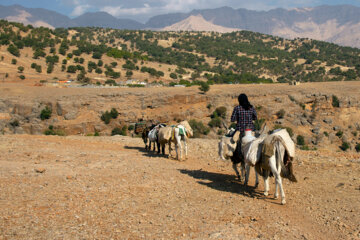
[(79, 187)]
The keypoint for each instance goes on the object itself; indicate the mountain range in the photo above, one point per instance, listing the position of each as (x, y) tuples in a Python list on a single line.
[(337, 24)]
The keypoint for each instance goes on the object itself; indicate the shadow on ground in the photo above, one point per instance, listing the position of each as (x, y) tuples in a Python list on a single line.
[(222, 182), (146, 152)]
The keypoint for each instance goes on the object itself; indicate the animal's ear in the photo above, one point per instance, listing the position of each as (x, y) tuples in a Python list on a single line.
[(236, 137)]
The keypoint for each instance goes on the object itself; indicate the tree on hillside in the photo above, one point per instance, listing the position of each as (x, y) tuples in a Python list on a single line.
[(14, 50), (204, 87)]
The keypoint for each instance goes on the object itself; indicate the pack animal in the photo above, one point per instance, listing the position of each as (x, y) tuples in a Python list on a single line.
[(153, 136), (145, 135), (273, 155), (229, 148), (178, 135)]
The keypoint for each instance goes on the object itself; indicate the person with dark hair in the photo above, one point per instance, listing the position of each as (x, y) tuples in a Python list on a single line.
[(244, 114)]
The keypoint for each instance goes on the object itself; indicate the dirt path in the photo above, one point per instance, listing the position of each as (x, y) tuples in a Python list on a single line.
[(109, 187)]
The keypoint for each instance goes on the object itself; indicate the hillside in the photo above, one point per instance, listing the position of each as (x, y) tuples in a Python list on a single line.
[(96, 54), (74, 61)]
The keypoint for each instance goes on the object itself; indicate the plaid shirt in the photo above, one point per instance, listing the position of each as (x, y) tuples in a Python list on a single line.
[(244, 118)]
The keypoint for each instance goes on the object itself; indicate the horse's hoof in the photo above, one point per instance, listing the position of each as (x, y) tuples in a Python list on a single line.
[(276, 197), (266, 193), (283, 202)]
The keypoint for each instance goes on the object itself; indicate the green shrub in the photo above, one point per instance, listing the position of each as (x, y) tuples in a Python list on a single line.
[(215, 122), (96, 134), (198, 128), (106, 117), (116, 131), (339, 133), (111, 82), (258, 123), (13, 61), (14, 50), (345, 146), (119, 131), (38, 68), (326, 134), (204, 87), (52, 131), (22, 77), (131, 127), (300, 140), (20, 69), (357, 147), (335, 101), (45, 113), (221, 112), (114, 113), (305, 147), (281, 113)]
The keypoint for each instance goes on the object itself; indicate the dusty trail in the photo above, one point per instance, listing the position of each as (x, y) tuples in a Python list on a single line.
[(109, 187)]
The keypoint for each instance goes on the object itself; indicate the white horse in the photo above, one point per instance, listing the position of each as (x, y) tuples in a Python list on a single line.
[(277, 153), (180, 133)]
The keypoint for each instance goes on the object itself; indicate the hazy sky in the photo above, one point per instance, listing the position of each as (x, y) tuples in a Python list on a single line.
[(141, 10)]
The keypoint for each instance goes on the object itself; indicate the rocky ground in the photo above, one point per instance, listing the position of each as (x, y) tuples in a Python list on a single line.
[(79, 187)]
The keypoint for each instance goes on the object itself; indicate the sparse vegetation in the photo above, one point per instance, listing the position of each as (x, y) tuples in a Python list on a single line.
[(45, 113), (357, 147), (339, 133), (114, 113), (280, 114), (345, 146), (335, 101), (259, 123), (215, 122), (199, 128), (204, 87), (300, 140), (119, 131), (52, 131), (220, 112)]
